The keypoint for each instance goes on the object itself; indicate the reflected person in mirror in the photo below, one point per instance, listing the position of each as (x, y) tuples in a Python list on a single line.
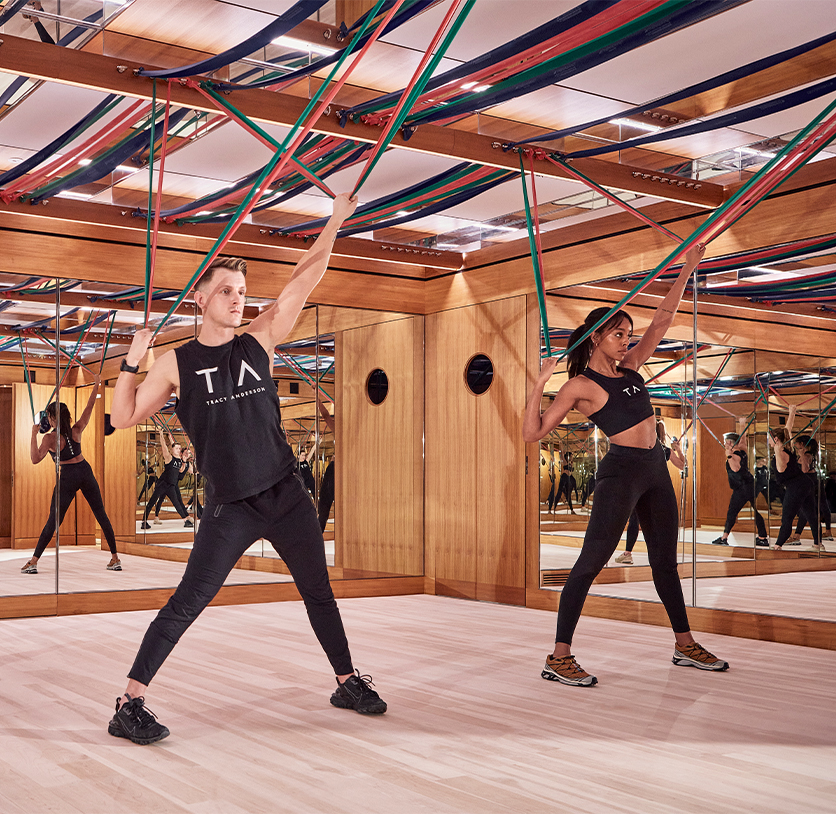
[(168, 484), (327, 486), (605, 386), (742, 484), (229, 408), (799, 496), (76, 475)]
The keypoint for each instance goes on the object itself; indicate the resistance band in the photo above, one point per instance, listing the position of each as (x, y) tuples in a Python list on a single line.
[(426, 67), (792, 157), (280, 159), (536, 256), (26, 377)]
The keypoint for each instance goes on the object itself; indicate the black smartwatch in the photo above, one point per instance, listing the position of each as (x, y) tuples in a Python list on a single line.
[(126, 368)]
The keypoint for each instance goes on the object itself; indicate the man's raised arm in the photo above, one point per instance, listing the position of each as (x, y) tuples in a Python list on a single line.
[(272, 326), (133, 404)]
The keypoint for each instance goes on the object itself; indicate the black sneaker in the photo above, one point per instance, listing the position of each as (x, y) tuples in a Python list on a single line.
[(719, 541), (188, 524), (145, 525), (762, 541), (357, 693), (136, 723)]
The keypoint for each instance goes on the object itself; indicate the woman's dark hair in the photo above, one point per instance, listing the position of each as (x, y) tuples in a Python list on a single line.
[(780, 434), (579, 358), (65, 424), (809, 443)]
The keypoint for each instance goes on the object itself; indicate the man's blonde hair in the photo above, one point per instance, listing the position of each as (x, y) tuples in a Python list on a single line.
[(232, 263)]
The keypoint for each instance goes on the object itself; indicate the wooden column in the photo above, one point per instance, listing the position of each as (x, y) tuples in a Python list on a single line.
[(475, 457), (379, 463), (6, 438), (31, 485)]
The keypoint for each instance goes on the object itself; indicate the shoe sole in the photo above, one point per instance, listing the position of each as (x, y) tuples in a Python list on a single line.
[(551, 675), (30, 571), (114, 567), (683, 661), (117, 732), (340, 704)]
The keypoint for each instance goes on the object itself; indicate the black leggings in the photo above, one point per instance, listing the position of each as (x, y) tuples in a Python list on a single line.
[(628, 478), (632, 531), (739, 498), (550, 499), (326, 495), (150, 480), (75, 477), (162, 491), (285, 516), (825, 514), (564, 487), (799, 499)]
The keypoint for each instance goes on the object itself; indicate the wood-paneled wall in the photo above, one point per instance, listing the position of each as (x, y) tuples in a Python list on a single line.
[(379, 461), (32, 485), (475, 456), (6, 435)]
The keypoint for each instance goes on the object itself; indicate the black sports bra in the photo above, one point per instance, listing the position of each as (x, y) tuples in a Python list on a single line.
[(72, 449), (628, 401)]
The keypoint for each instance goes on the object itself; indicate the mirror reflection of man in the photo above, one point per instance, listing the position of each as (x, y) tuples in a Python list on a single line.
[(327, 485), (229, 408), (305, 471), (168, 484)]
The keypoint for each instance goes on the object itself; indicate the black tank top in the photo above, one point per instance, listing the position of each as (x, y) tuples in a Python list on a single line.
[(742, 478), (792, 471), (171, 471), (628, 401), (229, 408), (71, 448)]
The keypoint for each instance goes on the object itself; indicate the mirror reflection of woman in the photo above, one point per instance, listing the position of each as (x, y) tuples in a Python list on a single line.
[(798, 489), (77, 475), (807, 450), (605, 386), (792, 472)]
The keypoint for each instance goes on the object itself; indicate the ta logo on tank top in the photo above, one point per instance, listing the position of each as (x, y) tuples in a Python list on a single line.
[(210, 386), (631, 390)]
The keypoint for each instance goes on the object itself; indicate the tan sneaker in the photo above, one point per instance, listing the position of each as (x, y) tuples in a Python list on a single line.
[(567, 671), (626, 558), (695, 655)]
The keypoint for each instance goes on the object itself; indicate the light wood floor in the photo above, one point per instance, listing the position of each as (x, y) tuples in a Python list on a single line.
[(472, 729)]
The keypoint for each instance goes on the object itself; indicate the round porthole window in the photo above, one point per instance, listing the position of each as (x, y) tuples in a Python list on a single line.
[(479, 374), (377, 386)]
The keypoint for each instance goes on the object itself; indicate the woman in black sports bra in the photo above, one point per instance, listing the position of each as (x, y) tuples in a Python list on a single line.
[(604, 385), (799, 496), (76, 474)]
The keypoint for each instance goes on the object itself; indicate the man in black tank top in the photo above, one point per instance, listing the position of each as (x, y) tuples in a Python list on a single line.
[(742, 484), (228, 406)]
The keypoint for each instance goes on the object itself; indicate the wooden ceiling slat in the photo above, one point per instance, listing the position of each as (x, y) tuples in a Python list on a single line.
[(40, 60)]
